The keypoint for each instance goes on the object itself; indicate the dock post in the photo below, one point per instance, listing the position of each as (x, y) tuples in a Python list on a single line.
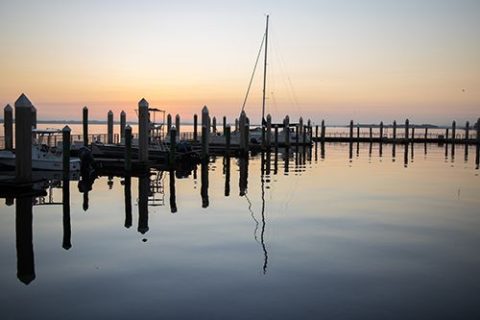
[(351, 130), (269, 131), (322, 132), (242, 123), (394, 131), (454, 130), (214, 125), (478, 132), (286, 130), (85, 125), (143, 130), (66, 151), (297, 133), (447, 135), (370, 132), (195, 124), (177, 126), (110, 127), (301, 129), (8, 126), (426, 134), (123, 123), (224, 124), (204, 143), (358, 132), (236, 125), (413, 134), (128, 149), (169, 122), (34, 117), (206, 123), (467, 131), (23, 139), (407, 125), (316, 131), (381, 131), (227, 139), (173, 145)]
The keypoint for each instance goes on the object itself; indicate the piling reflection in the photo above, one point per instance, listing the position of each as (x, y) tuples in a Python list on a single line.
[(127, 190), (143, 191), (67, 229), (243, 179), (173, 198), (226, 164), (24, 239), (204, 184)]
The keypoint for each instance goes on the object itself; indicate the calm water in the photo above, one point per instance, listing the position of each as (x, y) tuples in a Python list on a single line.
[(340, 233)]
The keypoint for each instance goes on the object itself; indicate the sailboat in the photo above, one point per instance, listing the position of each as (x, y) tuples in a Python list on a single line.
[(256, 135)]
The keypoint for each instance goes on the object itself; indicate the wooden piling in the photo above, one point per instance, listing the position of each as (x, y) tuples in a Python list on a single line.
[(123, 123), (66, 151), (23, 139), (204, 155), (447, 135), (286, 130), (169, 122), (173, 145), (351, 130), (407, 124), (128, 149), (300, 129), (269, 131), (426, 134), (467, 131), (358, 131), (454, 131), (206, 123), (8, 126), (322, 132), (381, 131), (34, 117), (413, 134), (110, 127), (242, 122), (195, 124), (370, 133), (316, 131), (236, 124), (214, 125), (276, 136), (227, 139), (478, 132), (224, 124), (394, 131), (85, 125), (143, 128), (177, 126)]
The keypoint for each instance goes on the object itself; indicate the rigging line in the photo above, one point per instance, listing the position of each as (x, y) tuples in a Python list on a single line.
[(253, 73), (262, 235), (253, 217)]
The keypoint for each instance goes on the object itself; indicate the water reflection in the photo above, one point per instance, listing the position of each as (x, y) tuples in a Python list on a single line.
[(143, 191), (128, 201), (24, 237), (67, 229)]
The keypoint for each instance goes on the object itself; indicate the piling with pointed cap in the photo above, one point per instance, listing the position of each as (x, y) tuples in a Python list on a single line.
[(370, 133), (34, 117), (123, 123), (23, 139), (358, 130), (66, 151), (8, 126), (214, 125), (269, 131), (85, 125), (236, 124), (322, 131), (143, 128), (224, 124), (204, 155), (381, 131), (454, 130), (413, 134), (426, 134), (206, 123), (177, 126), (128, 149), (447, 135), (169, 122), (110, 127), (195, 124), (316, 131)]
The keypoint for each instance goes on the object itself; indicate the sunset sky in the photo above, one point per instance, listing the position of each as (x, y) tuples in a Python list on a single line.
[(365, 60)]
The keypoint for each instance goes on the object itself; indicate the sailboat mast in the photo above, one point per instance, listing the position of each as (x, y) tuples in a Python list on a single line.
[(265, 73)]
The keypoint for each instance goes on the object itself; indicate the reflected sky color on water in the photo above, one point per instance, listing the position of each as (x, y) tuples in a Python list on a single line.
[(338, 232)]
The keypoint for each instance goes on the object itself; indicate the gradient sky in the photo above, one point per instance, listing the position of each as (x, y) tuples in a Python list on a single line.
[(365, 60)]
